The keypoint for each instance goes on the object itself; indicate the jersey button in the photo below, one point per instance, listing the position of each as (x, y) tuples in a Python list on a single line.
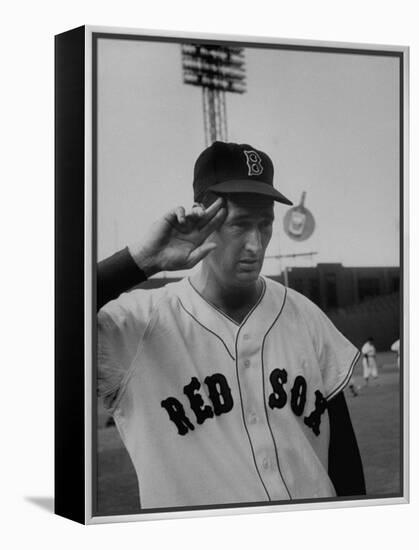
[(246, 363), (265, 463), (252, 418)]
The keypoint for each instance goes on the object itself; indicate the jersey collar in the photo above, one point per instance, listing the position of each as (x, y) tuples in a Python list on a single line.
[(253, 327)]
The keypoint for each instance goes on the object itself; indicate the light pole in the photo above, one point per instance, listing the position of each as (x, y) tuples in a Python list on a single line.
[(217, 70)]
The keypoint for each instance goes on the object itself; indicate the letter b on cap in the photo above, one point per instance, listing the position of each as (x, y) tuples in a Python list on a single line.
[(254, 163)]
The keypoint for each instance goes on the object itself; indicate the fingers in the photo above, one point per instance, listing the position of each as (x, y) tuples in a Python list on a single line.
[(198, 209), (200, 216), (196, 213), (212, 210), (199, 253), (175, 216), (214, 223), (198, 221), (180, 214)]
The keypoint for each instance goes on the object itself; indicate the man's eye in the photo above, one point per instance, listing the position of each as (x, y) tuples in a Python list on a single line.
[(239, 224)]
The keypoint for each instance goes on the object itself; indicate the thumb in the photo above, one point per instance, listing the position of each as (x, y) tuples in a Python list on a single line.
[(200, 252)]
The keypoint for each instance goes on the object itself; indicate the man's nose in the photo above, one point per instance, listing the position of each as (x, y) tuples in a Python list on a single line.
[(253, 241)]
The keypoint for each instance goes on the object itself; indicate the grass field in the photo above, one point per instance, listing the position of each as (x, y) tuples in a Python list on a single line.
[(375, 416)]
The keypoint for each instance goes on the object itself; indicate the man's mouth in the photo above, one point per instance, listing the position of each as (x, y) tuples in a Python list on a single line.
[(249, 262)]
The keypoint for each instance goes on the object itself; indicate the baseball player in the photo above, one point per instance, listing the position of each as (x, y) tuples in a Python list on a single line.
[(369, 364), (226, 387), (395, 347), (352, 387)]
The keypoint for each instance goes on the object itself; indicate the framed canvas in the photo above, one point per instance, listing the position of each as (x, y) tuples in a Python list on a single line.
[(231, 274)]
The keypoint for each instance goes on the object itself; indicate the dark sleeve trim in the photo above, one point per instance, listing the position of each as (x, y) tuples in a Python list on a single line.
[(345, 463), (115, 275)]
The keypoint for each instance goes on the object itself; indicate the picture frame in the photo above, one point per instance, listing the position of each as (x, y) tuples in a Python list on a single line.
[(106, 80)]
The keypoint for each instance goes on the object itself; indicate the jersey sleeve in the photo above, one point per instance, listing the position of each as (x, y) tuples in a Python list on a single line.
[(336, 354), (121, 326)]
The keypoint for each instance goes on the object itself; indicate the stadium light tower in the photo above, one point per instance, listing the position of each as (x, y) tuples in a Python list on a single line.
[(217, 70)]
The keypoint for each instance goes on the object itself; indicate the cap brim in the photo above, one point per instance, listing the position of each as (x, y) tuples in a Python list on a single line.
[(256, 187)]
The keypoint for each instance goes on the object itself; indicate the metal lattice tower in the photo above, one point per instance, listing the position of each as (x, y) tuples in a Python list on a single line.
[(217, 70)]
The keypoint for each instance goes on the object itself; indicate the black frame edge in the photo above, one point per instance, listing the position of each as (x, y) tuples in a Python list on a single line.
[(69, 478)]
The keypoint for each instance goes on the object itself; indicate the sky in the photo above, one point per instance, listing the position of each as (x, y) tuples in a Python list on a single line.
[(329, 121)]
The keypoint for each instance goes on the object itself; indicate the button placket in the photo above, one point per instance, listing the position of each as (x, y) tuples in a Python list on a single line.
[(250, 375)]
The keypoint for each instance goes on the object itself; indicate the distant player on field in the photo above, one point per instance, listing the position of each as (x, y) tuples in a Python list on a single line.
[(226, 387), (395, 348), (369, 364)]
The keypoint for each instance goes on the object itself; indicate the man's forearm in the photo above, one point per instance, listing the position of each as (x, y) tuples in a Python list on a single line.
[(176, 241), (115, 275)]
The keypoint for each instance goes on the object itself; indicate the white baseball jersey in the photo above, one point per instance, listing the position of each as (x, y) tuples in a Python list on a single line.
[(216, 412)]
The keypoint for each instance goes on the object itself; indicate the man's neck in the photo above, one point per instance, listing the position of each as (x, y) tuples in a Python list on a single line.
[(234, 301)]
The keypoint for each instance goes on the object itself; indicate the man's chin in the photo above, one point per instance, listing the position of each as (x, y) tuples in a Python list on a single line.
[(247, 277)]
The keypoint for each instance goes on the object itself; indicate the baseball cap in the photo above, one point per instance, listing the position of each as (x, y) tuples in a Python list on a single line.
[(234, 168)]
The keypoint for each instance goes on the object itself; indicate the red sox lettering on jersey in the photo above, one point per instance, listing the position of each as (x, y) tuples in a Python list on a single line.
[(219, 393), (215, 412)]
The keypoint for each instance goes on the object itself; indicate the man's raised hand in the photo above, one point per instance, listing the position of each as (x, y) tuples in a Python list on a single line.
[(179, 239)]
